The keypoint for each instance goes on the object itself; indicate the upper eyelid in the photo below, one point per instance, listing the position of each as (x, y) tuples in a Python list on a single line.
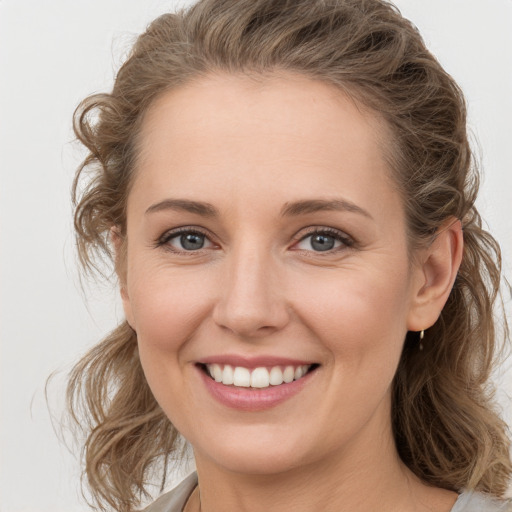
[(323, 229), (311, 230), (171, 233)]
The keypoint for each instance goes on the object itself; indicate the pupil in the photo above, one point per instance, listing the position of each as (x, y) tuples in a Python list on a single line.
[(322, 242), (192, 241)]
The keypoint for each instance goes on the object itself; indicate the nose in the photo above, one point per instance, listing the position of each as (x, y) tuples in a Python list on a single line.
[(252, 301)]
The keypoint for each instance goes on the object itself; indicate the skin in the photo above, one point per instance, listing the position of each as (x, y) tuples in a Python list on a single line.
[(258, 287)]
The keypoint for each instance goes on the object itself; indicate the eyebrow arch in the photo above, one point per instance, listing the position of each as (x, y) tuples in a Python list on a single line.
[(315, 205)]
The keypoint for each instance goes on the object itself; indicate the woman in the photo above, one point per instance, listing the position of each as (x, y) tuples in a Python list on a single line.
[(287, 191)]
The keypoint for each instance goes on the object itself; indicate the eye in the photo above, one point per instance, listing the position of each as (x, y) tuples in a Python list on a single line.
[(186, 241), (323, 241)]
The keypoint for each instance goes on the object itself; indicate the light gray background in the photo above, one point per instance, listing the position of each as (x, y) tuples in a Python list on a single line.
[(54, 53)]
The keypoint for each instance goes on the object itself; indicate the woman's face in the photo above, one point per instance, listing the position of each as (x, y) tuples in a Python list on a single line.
[(264, 233)]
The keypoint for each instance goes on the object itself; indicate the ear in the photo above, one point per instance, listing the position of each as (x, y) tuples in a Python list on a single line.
[(435, 274), (119, 243)]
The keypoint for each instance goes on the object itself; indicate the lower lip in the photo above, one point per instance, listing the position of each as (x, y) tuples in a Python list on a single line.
[(253, 399)]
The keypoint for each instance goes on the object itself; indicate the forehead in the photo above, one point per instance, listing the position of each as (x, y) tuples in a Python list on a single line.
[(282, 132), (286, 105)]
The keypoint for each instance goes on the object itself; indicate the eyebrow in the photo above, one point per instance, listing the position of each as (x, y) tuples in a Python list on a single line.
[(317, 205), (197, 207), (290, 209)]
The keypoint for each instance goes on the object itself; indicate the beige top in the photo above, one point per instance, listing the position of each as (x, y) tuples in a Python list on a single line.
[(174, 500)]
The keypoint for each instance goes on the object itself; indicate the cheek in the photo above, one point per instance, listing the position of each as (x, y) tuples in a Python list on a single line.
[(360, 322), (166, 308), (359, 315)]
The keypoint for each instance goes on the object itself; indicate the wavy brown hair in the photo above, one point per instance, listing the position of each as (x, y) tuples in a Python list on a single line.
[(446, 427)]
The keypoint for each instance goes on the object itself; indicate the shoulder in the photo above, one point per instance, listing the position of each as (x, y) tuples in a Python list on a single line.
[(470, 501), (175, 499)]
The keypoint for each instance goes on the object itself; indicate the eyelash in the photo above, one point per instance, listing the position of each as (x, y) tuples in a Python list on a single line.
[(340, 236)]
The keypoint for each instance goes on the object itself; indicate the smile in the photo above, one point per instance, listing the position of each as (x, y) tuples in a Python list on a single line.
[(261, 377), (256, 383)]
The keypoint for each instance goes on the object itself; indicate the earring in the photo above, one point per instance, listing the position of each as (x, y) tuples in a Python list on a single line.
[(422, 335)]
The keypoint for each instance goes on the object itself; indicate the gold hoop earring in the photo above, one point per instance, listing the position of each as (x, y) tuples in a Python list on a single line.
[(422, 335)]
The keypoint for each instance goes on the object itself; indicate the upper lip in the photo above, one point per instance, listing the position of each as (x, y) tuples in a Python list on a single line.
[(253, 361)]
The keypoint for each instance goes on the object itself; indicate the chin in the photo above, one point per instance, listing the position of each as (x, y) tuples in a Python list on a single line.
[(258, 454), (254, 462)]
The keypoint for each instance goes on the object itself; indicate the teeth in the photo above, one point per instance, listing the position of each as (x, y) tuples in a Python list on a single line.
[(289, 374), (260, 378), (276, 376), (242, 377), (217, 373), (257, 378), (227, 375)]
